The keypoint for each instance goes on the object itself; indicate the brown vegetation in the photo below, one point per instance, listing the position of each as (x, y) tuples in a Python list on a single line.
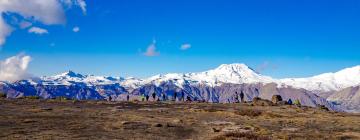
[(2, 95), (68, 119)]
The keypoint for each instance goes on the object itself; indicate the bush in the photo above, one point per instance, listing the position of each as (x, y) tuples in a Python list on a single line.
[(248, 112), (32, 97), (2, 95), (61, 98), (241, 135), (322, 107), (261, 102)]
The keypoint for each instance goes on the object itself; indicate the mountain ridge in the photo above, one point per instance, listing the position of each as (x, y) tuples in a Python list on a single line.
[(236, 73), (216, 85)]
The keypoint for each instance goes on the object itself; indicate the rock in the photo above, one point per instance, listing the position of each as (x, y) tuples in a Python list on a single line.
[(219, 123), (290, 129), (158, 125), (134, 125), (177, 121), (170, 125), (28, 121), (145, 109), (322, 107), (125, 122), (46, 109), (276, 98), (256, 99), (237, 129), (216, 129)]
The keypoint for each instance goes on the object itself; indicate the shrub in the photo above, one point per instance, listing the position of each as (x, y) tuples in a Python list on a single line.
[(2, 95), (261, 102), (248, 112), (32, 97), (61, 98), (322, 107), (241, 135)]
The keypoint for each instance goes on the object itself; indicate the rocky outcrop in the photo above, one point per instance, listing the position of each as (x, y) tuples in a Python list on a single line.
[(276, 98)]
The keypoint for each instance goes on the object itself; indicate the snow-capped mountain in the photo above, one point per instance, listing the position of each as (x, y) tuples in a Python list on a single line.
[(226, 73), (217, 85), (70, 78), (328, 81), (231, 73)]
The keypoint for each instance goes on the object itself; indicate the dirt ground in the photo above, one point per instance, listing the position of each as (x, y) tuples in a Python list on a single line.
[(54, 119)]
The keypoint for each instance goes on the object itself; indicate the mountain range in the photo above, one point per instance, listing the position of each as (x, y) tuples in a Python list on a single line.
[(338, 91)]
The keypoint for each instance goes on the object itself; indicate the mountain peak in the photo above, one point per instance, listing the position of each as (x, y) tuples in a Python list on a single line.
[(235, 68), (71, 74), (231, 73), (234, 65)]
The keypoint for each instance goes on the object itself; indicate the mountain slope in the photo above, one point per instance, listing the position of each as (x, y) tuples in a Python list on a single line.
[(348, 98)]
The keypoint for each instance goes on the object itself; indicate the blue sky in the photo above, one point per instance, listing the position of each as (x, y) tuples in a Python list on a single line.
[(279, 38)]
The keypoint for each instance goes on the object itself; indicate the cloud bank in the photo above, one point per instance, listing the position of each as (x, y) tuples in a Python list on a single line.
[(47, 12), (14, 68)]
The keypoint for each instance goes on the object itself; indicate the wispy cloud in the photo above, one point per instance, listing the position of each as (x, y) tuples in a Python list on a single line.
[(151, 50), (79, 3), (24, 24), (14, 68), (38, 30), (185, 47), (82, 5), (76, 29), (5, 31), (266, 65)]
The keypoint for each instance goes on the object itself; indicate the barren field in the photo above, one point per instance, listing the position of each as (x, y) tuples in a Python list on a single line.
[(56, 119)]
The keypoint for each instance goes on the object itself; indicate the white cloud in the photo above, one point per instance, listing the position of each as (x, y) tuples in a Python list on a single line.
[(48, 12), (79, 3), (25, 24), (5, 31), (68, 3), (185, 47), (76, 29), (82, 5), (151, 50), (14, 68), (37, 30)]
